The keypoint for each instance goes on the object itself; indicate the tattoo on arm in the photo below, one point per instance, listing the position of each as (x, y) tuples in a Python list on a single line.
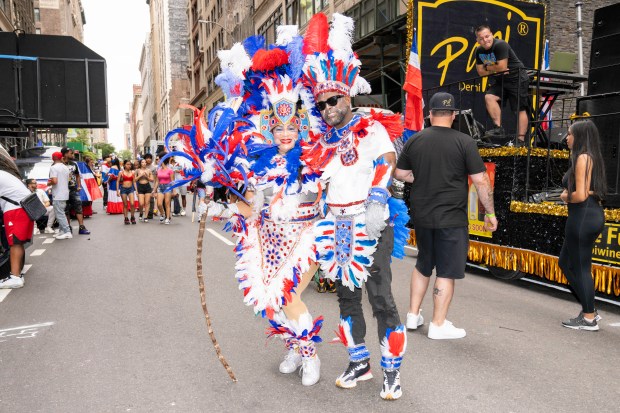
[(485, 194)]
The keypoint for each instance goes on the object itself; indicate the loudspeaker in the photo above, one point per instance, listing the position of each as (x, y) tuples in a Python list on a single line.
[(605, 51), (605, 115), (604, 80), (606, 21)]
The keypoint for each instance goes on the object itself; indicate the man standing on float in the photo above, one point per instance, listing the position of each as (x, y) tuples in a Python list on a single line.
[(354, 242)]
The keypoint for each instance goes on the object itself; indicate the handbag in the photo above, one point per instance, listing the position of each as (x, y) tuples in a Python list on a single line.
[(32, 205)]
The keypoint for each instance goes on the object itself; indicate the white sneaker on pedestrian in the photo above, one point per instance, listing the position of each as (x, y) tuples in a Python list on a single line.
[(414, 320), (310, 370), (12, 282), (182, 212), (446, 331), (49, 230), (291, 362), (64, 235), (37, 231), (56, 231), (167, 222), (162, 219)]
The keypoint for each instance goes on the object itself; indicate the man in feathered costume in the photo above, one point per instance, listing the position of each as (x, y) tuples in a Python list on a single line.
[(273, 219), (354, 241)]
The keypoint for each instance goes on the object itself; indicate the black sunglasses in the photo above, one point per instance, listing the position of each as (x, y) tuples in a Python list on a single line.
[(332, 101)]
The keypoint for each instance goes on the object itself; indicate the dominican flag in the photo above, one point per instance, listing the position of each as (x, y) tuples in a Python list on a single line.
[(414, 114), (546, 124), (90, 190)]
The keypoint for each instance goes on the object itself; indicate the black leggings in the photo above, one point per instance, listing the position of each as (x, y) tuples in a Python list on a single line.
[(585, 223)]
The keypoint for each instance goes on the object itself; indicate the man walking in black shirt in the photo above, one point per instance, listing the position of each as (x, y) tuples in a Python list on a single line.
[(75, 184), (438, 161), (508, 80)]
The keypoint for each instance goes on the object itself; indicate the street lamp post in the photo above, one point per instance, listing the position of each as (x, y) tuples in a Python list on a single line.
[(228, 34)]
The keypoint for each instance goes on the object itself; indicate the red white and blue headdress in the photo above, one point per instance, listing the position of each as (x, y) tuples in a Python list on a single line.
[(331, 65)]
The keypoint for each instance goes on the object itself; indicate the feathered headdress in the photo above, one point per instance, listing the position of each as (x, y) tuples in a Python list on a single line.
[(331, 65)]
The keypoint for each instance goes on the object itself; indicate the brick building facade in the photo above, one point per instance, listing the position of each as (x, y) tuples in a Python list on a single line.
[(17, 14)]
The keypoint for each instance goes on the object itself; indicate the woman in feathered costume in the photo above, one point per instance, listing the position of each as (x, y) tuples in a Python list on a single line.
[(276, 258)]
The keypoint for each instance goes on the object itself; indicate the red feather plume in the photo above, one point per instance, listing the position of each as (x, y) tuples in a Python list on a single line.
[(317, 33), (266, 60), (396, 343)]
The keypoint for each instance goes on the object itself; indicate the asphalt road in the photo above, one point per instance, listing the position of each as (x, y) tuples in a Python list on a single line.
[(112, 322)]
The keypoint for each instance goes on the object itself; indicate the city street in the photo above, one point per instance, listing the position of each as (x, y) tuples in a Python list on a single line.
[(112, 322)]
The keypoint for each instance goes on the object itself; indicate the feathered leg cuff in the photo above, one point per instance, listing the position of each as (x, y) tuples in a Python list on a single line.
[(393, 348), (357, 352), (303, 330)]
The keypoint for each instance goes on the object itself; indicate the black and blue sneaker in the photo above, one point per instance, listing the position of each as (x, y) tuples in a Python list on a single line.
[(356, 371), (391, 385)]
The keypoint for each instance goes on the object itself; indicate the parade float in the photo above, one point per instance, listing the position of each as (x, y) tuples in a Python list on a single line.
[(526, 179)]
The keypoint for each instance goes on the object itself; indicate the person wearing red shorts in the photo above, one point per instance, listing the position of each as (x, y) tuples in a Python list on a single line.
[(18, 226)]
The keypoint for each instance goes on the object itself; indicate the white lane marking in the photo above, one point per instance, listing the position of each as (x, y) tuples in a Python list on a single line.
[(26, 268), (221, 238), (3, 294), (49, 240), (411, 248), (36, 253), (22, 332), (49, 323), (614, 325)]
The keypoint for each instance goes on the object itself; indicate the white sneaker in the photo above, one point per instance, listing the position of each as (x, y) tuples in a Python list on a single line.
[(65, 235), (49, 230), (167, 222), (446, 331), (291, 362), (310, 370), (182, 212), (12, 282), (37, 231), (414, 320), (161, 219)]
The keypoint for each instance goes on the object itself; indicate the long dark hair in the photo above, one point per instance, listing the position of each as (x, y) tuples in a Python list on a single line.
[(7, 165), (586, 140)]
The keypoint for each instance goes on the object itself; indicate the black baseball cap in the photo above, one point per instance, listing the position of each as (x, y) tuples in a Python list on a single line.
[(64, 150), (442, 101)]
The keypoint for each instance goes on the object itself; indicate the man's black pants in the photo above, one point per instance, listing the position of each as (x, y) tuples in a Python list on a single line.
[(379, 289)]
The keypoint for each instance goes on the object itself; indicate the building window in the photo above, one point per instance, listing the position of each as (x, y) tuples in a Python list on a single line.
[(368, 18), (292, 11), (308, 8), (268, 29), (37, 31), (37, 15)]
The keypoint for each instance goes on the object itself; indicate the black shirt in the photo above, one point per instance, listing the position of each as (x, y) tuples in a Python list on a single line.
[(499, 50), (74, 175), (441, 160)]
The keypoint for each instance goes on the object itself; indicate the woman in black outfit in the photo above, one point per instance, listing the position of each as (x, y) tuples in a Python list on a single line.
[(585, 187)]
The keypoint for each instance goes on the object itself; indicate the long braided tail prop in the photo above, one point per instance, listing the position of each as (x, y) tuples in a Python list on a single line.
[(203, 300)]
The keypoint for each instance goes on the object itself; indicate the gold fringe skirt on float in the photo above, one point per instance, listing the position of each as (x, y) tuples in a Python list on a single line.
[(606, 278)]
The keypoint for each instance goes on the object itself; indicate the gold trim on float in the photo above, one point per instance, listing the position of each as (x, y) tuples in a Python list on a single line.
[(606, 278), (550, 208), (522, 151)]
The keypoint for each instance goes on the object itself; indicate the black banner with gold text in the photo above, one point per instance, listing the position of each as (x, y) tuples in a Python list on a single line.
[(447, 42)]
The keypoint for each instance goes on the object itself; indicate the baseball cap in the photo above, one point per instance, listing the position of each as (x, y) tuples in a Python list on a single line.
[(64, 150), (56, 156), (442, 101)]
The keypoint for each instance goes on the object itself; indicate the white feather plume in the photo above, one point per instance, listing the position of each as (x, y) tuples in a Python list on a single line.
[(360, 87), (236, 59), (285, 34), (341, 33)]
